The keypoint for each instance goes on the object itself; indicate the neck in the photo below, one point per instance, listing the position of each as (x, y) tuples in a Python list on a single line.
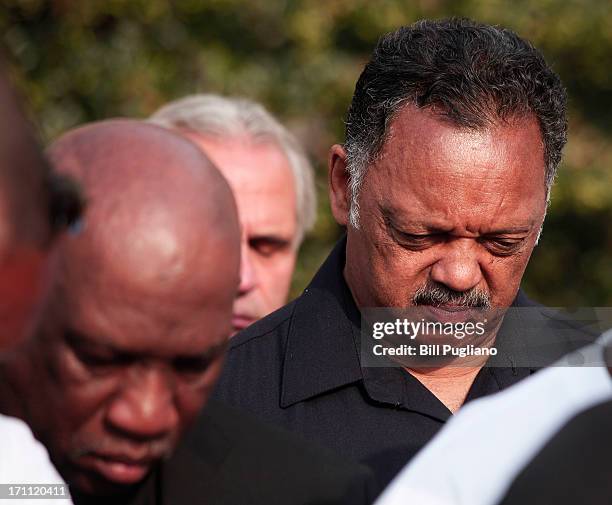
[(449, 384)]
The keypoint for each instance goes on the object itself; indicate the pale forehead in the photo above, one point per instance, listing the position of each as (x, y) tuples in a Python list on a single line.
[(261, 179), (246, 162)]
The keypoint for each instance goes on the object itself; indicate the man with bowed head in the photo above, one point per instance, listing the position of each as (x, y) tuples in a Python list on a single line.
[(452, 141), (273, 184), (133, 337)]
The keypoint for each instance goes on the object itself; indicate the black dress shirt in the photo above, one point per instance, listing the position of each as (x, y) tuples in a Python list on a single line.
[(300, 368)]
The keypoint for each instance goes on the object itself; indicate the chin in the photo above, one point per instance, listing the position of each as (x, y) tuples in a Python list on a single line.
[(86, 483)]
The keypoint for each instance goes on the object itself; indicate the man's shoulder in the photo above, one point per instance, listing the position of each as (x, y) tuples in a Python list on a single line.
[(573, 466), (258, 463), (256, 334), (537, 335), (24, 459), (558, 317), (251, 375)]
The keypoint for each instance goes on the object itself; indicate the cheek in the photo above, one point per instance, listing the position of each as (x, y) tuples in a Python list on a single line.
[(83, 411), (82, 395), (72, 415), (504, 277), (276, 272), (400, 273), (394, 266)]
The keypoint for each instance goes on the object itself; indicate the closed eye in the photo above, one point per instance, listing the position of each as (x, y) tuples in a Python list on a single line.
[(415, 241), (412, 241), (96, 358), (194, 365), (193, 368), (418, 240), (503, 246), (267, 246)]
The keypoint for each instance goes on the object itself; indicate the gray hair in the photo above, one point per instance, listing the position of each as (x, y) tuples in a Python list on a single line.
[(218, 116), (475, 75)]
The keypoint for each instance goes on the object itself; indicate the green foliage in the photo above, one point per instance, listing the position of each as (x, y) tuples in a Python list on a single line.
[(79, 61)]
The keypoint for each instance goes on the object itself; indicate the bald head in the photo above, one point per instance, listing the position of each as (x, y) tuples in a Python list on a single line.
[(157, 206), (132, 341)]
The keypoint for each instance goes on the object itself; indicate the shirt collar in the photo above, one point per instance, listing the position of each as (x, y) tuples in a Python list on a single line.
[(322, 352)]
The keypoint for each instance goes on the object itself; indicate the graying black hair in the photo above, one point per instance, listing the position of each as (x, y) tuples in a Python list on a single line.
[(473, 74), (224, 117)]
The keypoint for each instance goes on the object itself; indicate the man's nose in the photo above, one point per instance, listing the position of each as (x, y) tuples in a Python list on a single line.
[(459, 268), (248, 276), (145, 406)]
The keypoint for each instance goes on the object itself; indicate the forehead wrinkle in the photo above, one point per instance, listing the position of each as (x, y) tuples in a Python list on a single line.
[(262, 181), (442, 214), (127, 323), (451, 186), (411, 125)]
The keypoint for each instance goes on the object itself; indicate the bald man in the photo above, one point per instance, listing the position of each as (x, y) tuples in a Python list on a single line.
[(133, 338), (33, 206)]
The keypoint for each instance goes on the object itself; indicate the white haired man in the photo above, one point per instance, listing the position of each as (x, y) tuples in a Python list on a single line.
[(273, 184)]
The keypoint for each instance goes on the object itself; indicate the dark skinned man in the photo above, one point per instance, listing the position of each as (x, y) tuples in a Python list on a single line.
[(453, 138)]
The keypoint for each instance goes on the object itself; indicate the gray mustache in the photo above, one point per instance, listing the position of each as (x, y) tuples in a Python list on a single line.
[(437, 294), (157, 449)]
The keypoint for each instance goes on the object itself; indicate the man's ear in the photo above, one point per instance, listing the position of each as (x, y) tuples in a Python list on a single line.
[(338, 178)]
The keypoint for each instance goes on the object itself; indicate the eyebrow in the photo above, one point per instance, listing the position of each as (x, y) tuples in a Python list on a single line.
[(390, 218), (77, 339), (388, 214), (510, 231)]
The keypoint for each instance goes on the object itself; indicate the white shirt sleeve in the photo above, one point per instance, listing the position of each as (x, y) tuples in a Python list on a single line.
[(24, 460), (478, 454)]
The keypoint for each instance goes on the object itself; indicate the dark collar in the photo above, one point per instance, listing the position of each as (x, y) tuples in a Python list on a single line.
[(322, 346), (321, 352)]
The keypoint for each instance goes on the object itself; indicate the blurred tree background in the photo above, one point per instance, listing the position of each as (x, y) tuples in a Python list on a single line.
[(84, 60)]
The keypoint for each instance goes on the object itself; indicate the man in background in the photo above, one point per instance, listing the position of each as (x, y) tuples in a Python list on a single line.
[(273, 184)]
